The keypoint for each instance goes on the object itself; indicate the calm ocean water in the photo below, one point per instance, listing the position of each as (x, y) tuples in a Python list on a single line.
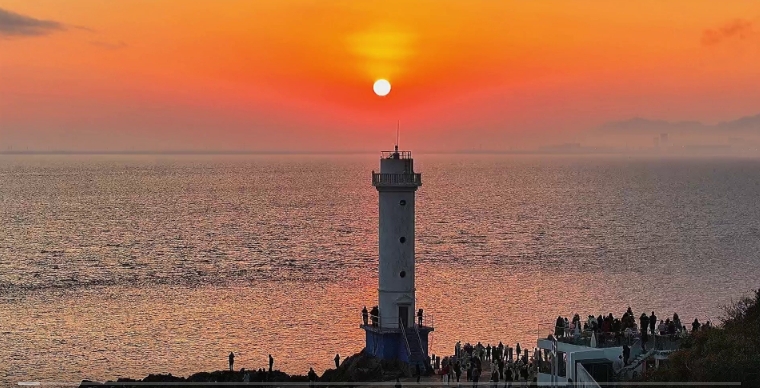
[(121, 266)]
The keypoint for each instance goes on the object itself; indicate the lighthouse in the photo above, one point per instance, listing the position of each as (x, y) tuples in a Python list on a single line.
[(395, 329)]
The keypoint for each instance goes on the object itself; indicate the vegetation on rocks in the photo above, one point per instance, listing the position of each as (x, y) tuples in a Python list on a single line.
[(726, 353)]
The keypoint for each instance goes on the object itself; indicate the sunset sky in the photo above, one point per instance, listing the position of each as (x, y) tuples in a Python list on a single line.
[(298, 74)]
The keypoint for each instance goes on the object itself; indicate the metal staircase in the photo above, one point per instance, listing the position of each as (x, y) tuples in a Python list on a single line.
[(417, 354)]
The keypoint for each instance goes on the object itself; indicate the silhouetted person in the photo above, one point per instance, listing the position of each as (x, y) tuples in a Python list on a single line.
[(457, 370), (695, 325), (374, 313), (626, 354), (644, 327), (312, 377), (508, 378), (652, 323), (271, 363), (232, 360), (517, 348), (337, 360), (365, 315), (419, 317)]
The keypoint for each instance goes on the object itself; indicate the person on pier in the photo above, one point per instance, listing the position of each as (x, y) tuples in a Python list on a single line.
[(365, 315), (271, 363), (232, 360)]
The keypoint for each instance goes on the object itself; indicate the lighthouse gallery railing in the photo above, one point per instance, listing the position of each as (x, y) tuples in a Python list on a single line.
[(396, 179)]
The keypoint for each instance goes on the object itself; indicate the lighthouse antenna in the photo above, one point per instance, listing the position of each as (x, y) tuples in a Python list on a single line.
[(398, 125)]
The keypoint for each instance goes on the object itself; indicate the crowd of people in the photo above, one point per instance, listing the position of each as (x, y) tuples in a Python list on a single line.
[(508, 366), (623, 330)]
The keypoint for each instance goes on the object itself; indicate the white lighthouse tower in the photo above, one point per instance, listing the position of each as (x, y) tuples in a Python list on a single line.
[(394, 329)]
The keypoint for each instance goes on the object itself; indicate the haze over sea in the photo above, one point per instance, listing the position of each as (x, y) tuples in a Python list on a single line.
[(120, 266)]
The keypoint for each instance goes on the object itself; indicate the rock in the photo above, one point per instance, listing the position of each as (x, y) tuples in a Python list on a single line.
[(362, 367)]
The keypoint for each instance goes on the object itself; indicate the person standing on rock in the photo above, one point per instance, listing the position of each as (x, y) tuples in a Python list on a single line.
[(271, 363), (337, 360), (232, 360)]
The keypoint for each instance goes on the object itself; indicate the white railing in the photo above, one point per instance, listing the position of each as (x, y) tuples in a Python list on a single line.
[(371, 320), (419, 338), (427, 320), (403, 333), (584, 337)]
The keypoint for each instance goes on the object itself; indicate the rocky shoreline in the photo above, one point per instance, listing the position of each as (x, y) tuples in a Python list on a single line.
[(360, 367)]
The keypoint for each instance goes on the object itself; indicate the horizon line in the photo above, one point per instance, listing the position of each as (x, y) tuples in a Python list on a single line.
[(537, 151)]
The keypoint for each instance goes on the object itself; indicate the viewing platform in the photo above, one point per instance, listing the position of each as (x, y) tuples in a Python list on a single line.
[(396, 154), (373, 323), (589, 355)]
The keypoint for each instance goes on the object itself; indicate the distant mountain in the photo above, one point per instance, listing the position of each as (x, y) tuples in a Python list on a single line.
[(749, 124)]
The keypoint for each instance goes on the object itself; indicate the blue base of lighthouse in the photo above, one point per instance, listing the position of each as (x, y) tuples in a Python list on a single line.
[(391, 344)]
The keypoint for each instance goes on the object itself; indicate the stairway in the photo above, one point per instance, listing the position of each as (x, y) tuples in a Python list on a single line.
[(627, 371), (416, 356)]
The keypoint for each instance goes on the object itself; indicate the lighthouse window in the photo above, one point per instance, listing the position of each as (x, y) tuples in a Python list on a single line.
[(402, 239), (402, 274), (402, 203)]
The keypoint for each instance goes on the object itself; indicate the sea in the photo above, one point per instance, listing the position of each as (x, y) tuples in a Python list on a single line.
[(127, 265)]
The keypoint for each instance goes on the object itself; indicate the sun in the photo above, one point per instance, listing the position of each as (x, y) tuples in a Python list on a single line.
[(382, 87)]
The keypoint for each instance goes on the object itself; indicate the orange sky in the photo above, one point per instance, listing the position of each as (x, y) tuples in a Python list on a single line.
[(298, 74)]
